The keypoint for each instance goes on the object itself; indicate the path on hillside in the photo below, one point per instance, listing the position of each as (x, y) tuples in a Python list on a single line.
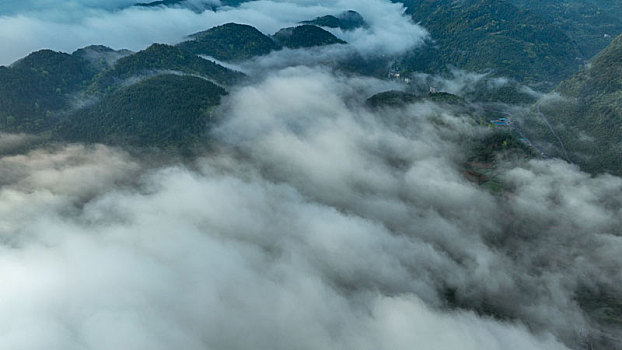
[(546, 121)]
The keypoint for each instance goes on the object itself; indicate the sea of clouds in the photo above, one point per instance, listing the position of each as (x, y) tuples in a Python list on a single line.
[(314, 222)]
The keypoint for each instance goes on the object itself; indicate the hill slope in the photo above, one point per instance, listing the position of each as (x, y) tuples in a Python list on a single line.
[(36, 86), (591, 26), (348, 20), (100, 57), (305, 35), (160, 111), (163, 58), (480, 35), (590, 120), (158, 96), (230, 41)]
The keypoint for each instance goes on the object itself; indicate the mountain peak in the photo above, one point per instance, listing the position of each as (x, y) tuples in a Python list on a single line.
[(305, 35), (230, 41), (347, 20)]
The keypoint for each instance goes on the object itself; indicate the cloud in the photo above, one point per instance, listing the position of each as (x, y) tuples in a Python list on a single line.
[(314, 223), (462, 83), (389, 34), (400, 169), (73, 170), (196, 260), (15, 142), (51, 8), (72, 25)]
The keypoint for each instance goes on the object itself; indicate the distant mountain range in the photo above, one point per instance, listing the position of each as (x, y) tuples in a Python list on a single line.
[(305, 35), (348, 20), (229, 42), (235, 42), (159, 96), (191, 4), (97, 94), (533, 41)]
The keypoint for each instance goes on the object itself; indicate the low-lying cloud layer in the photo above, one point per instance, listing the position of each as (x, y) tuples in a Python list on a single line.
[(70, 25), (315, 223)]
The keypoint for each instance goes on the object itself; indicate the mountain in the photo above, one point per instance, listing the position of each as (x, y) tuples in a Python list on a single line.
[(589, 119), (491, 35), (100, 57), (197, 6), (483, 151), (603, 76), (230, 42), (395, 98), (347, 20), (592, 25), (35, 87), (160, 58), (611, 6), (39, 91), (234, 42), (160, 3), (158, 96), (160, 111), (305, 36)]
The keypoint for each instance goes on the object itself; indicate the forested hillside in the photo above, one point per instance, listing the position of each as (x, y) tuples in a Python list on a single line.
[(590, 24), (167, 110), (589, 118), (159, 96), (230, 41), (492, 35)]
